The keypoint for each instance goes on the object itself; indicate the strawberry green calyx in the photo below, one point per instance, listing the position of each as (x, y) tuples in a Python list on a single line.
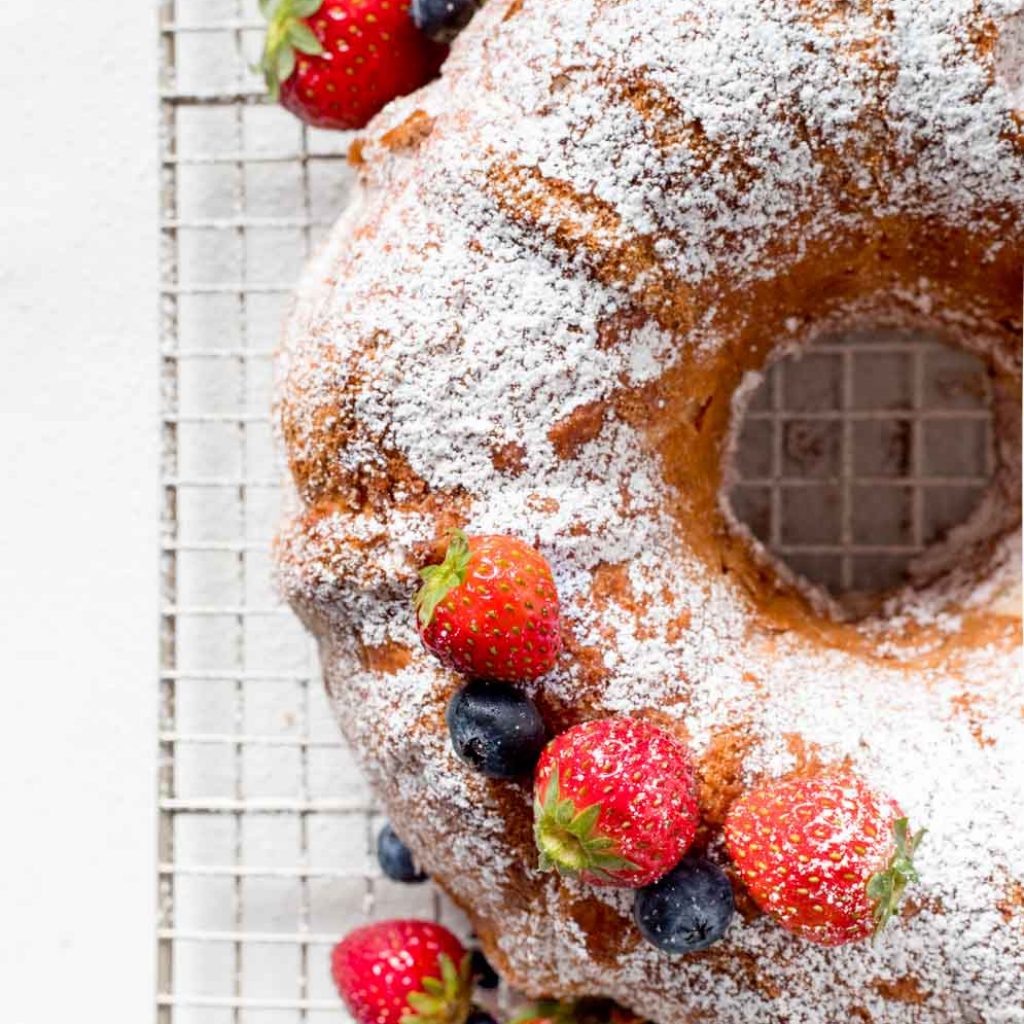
[(444, 1000), (545, 1010), (569, 841), (886, 887), (440, 580), (287, 34)]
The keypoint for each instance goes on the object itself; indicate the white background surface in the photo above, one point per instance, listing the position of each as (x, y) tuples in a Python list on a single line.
[(78, 546)]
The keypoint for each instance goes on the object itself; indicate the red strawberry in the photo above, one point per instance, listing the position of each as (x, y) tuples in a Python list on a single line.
[(335, 63), (490, 609), (614, 800), (825, 855), (403, 972)]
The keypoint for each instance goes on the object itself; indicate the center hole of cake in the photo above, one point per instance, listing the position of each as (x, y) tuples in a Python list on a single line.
[(859, 453)]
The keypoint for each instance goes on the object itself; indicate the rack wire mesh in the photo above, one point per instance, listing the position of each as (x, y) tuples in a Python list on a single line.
[(859, 453), (266, 829)]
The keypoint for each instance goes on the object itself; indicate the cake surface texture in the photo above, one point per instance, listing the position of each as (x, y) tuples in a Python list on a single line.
[(568, 261)]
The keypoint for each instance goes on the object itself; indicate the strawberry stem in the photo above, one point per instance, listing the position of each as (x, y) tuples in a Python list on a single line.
[(440, 580), (569, 841), (886, 887), (560, 848), (444, 1000)]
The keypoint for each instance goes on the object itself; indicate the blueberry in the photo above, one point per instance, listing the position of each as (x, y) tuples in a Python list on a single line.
[(478, 1016), (495, 729), (686, 910), (486, 976), (396, 858), (442, 20)]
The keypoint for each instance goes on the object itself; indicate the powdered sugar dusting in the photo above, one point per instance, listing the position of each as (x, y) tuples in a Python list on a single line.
[(595, 170)]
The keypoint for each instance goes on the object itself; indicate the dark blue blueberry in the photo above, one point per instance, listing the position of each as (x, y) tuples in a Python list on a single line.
[(396, 858), (478, 1016), (486, 976), (442, 20), (495, 729), (686, 910)]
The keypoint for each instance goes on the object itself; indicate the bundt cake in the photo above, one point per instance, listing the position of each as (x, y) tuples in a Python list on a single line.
[(568, 262)]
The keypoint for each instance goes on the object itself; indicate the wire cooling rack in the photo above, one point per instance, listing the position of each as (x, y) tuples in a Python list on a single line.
[(858, 454), (266, 826)]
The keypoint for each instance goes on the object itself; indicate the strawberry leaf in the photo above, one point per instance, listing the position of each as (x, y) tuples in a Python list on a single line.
[(546, 1011), (303, 39), (440, 580), (286, 34), (285, 63), (449, 974), (585, 822), (886, 887), (423, 1001), (444, 1000)]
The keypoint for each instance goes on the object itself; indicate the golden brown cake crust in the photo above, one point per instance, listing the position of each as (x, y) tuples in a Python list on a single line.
[(569, 260)]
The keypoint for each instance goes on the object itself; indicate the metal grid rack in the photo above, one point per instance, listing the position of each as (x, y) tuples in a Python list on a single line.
[(861, 452), (266, 827)]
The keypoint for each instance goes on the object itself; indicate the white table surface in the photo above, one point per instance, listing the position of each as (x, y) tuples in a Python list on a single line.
[(78, 544)]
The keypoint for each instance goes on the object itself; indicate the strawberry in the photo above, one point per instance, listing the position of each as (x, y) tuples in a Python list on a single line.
[(335, 63), (615, 802), (825, 855), (490, 609), (403, 972)]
